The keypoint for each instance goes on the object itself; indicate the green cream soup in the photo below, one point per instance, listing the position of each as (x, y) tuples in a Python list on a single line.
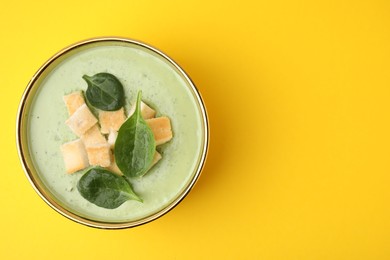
[(163, 88)]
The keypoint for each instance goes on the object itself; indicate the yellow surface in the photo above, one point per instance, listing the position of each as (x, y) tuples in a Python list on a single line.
[(298, 97)]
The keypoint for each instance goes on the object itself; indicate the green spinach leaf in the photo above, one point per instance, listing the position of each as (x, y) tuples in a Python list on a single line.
[(135, 145), (104, 91), (105, 189)]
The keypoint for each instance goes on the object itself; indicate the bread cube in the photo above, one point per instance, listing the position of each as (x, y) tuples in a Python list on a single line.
[(73, 101), (81, 120), (161, 128), (75, 156), (93, 136), (112, 138), (146, 111), (157, 157), (114, 167), (111, 120), (99, 154)]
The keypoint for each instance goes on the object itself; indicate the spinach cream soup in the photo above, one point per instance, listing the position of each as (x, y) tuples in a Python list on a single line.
[(139, 68)]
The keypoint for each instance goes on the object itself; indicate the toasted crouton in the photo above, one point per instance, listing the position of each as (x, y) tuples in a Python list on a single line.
[(111, 120), (73, 101), (114, 167), (93, 136), (161, 128), (146, 111), (75, 156), (99, 154), (81, 120), (157, 157), (112, 138)]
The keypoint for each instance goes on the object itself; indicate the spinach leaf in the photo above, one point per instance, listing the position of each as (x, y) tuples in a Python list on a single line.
[(105, 189), (135, 145), (104, 91)]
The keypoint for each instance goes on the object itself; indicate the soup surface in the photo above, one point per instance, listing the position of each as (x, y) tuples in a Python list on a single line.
[(163, 88)]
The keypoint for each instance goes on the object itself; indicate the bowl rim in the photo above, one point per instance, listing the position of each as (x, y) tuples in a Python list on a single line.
[(35, 182)]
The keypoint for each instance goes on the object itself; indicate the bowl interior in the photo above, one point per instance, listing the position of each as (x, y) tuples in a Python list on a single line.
[(165, 87)]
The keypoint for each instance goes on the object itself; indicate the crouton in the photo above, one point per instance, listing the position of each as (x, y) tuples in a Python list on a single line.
[(112, 138), (157, 157), (75, 156), (161, 128), (73, 101), (111, 120), (99, 154), (93, 136), (81, 120), (146, 111), (114, 167)]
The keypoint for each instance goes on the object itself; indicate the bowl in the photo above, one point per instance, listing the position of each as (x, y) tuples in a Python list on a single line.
[(41, 129)]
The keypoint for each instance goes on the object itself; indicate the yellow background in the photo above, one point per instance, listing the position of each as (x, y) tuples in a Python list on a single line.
[(298, 99)]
